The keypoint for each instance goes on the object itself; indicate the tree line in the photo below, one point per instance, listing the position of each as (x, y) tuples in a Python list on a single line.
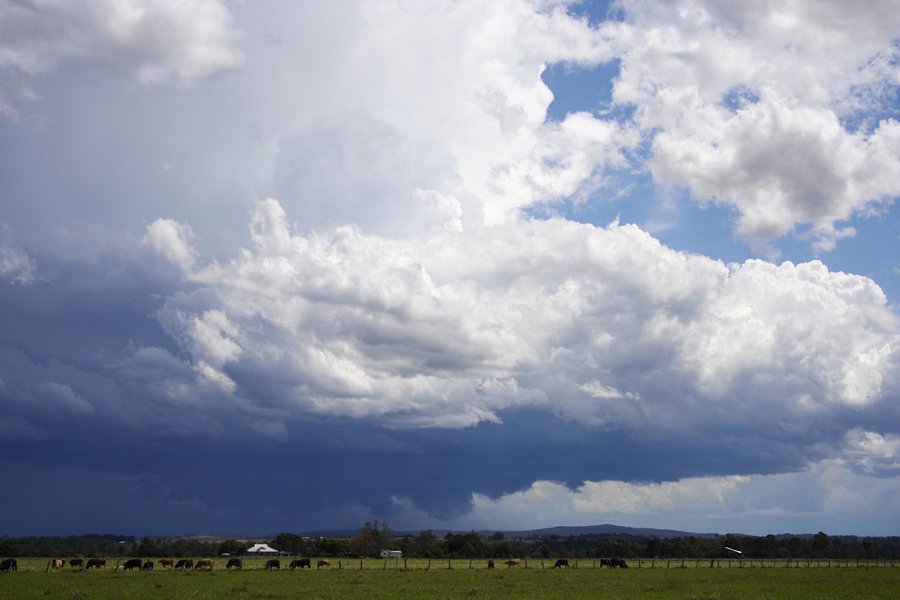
[(374, 536)]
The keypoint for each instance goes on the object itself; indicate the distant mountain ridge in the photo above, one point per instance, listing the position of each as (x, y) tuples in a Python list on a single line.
[(560, 530), (606, 529)]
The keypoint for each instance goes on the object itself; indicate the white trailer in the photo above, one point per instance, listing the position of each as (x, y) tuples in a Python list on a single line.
[(391, 554)]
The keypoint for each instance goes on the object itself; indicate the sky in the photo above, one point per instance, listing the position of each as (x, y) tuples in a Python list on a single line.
[(294, 266)]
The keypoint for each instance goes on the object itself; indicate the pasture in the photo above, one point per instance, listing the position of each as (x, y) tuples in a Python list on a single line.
[(457, 579)]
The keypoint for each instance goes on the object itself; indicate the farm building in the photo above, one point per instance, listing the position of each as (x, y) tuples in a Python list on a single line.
[(262, 549)]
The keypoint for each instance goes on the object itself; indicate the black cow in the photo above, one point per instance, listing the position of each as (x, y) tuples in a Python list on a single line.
[(561, 562), (95, 563), (147, 566), (9, 565), (76, 562), (273, 563), (616, 562), (301, 563), (604, 562), (491, 563), (185, 563), (133, 563), (234, 562)]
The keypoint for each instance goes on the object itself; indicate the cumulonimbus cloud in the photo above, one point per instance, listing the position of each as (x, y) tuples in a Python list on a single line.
[(603, 325)]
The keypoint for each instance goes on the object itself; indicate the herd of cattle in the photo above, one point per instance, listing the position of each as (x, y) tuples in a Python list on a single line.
[(11, 565)]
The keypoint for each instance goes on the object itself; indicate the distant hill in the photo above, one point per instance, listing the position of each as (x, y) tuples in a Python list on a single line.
[(606, 529), (561, 531)]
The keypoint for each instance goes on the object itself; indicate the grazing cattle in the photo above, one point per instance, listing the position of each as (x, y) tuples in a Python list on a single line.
[(55, 564), (132, 563), (204, 563), (273, 563), (514, 562), (614, 563), (234, 562), (323, 563), (147, 566), (561, 562), (301, 563), (491, 564), (76, 562), (9, 565), (166, 562), (95, 563), (185, 563)]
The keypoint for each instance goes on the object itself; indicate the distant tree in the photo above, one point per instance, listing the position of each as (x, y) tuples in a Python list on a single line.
[(371, 539), (289, 542), (332, 547), (544, 551), (498, 536), (653, 548), (146, 548), (231, 547), (427, 545), (8, 548), (821, 545)]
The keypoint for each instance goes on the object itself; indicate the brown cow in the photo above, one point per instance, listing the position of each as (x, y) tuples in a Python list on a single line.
[(204, 563), (166, 562), (323, 563), (491, 563), (95, 563), (513, 562)]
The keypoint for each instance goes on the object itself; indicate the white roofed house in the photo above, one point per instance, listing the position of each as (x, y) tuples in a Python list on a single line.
[(262, 550)]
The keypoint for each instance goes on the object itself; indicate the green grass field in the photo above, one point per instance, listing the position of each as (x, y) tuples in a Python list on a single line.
[(374, 581)]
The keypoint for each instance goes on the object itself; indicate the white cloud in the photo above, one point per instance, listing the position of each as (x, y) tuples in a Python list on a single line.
[(159, 41), (820, 497), (16, 265), (604, 326), (173, 241), (748, 103)]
